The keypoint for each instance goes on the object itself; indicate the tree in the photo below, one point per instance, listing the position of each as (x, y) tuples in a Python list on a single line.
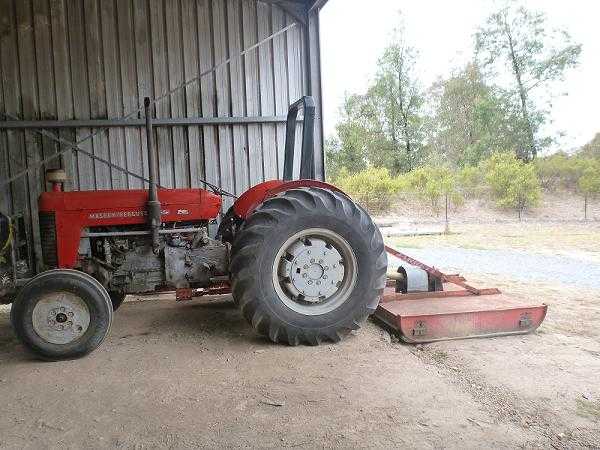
[(556, 171), (592, 148), (349, 149), (589, 181), (536, 55), (513, 183), (472, 119), (397, 100), (383, 127), (433, 183)]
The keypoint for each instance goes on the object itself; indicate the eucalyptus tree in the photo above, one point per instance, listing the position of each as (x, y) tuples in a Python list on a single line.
[(471, 119), (397, 100), (384, 126), (592, 148), (536, 55)]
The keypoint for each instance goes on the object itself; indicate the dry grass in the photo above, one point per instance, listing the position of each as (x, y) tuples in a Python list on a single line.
[(555, 238)]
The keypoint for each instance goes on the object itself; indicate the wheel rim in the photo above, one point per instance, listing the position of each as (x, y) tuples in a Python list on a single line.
[(60, 317), (314, 271)]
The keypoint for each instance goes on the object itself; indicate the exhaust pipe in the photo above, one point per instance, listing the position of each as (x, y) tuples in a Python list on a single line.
[(153, 204)]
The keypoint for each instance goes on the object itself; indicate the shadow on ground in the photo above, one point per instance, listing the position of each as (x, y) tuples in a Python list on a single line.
[(218, 318)]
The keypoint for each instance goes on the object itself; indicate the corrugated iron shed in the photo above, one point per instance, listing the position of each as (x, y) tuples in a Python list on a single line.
[(94, 60)]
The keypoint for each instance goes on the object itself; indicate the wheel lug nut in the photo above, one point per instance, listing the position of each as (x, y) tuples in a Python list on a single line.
[(306, 266), (304, 275), (309, 281), (62, 309), (312, 260), (318, 282), (70, 314)]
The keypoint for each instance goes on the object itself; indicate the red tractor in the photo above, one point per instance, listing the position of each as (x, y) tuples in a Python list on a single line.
[(304, 263)]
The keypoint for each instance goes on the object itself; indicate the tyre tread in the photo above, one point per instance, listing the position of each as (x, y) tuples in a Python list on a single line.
[(255, 232)]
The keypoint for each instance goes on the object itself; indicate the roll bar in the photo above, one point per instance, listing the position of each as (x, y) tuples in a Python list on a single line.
[(307, 161)]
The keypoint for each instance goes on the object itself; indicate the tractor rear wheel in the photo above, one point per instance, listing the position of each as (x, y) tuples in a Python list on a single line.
[(62, 314), (308, 265)]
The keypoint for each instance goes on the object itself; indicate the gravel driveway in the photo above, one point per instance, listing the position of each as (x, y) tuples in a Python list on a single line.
[(518, 265)]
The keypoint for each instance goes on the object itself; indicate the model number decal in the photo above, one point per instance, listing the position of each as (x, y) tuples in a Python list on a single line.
[(120, 214)]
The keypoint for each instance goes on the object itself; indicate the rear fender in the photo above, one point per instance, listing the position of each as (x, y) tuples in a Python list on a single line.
[(253, 197)]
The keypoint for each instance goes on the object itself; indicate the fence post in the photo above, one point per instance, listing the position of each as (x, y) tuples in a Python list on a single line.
[(447, 227)]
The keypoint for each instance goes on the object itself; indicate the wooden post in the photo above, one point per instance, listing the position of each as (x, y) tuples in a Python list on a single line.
[(447, 227)]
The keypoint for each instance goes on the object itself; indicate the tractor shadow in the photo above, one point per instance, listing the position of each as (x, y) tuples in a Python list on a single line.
[(208, 319)]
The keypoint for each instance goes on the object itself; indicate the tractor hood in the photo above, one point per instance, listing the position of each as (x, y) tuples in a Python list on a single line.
[(198, 204)]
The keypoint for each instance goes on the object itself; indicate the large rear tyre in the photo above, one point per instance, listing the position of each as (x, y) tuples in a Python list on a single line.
[(62, 314), (308, 266)]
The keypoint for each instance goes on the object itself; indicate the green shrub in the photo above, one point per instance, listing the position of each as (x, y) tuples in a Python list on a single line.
[(433, 184), (416, 179), (589, 181), (372, 187), (557, 171), (513, 183), (470, 181), (400, 184)]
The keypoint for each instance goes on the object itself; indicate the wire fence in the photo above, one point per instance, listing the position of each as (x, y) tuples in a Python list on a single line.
[(409, 206)]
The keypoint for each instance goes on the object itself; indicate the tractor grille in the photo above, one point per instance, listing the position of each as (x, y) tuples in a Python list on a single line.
[(48, 236)]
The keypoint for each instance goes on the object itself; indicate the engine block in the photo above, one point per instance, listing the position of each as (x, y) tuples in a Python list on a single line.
[(128, 264)]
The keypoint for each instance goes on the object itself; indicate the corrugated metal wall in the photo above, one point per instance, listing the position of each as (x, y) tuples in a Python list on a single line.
[(87, 59)]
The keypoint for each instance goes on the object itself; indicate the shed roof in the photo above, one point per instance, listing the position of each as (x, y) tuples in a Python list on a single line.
[(299, 5)]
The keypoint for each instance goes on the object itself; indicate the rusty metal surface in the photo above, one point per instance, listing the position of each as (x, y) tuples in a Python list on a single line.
[(186, 294), (455, 313), (429, 320), (432, 270), (390, 294)]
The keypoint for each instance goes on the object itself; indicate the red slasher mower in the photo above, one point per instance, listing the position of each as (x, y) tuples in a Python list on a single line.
[(304, 262)]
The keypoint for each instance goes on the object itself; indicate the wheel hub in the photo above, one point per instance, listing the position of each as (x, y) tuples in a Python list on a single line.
[(60, 317), (315, 270), (311, 273)]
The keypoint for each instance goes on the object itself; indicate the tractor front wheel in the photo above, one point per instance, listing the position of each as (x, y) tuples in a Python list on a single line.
[(308, 265), (62, 314)]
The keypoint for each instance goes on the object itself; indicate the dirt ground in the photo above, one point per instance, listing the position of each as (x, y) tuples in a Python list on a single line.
[(195, 375)]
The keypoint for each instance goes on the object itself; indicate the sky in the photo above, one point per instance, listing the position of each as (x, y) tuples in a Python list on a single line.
[(354, 33)]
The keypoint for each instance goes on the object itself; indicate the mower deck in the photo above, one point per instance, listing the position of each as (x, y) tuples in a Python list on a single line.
[(460, 311), (432, 319)]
